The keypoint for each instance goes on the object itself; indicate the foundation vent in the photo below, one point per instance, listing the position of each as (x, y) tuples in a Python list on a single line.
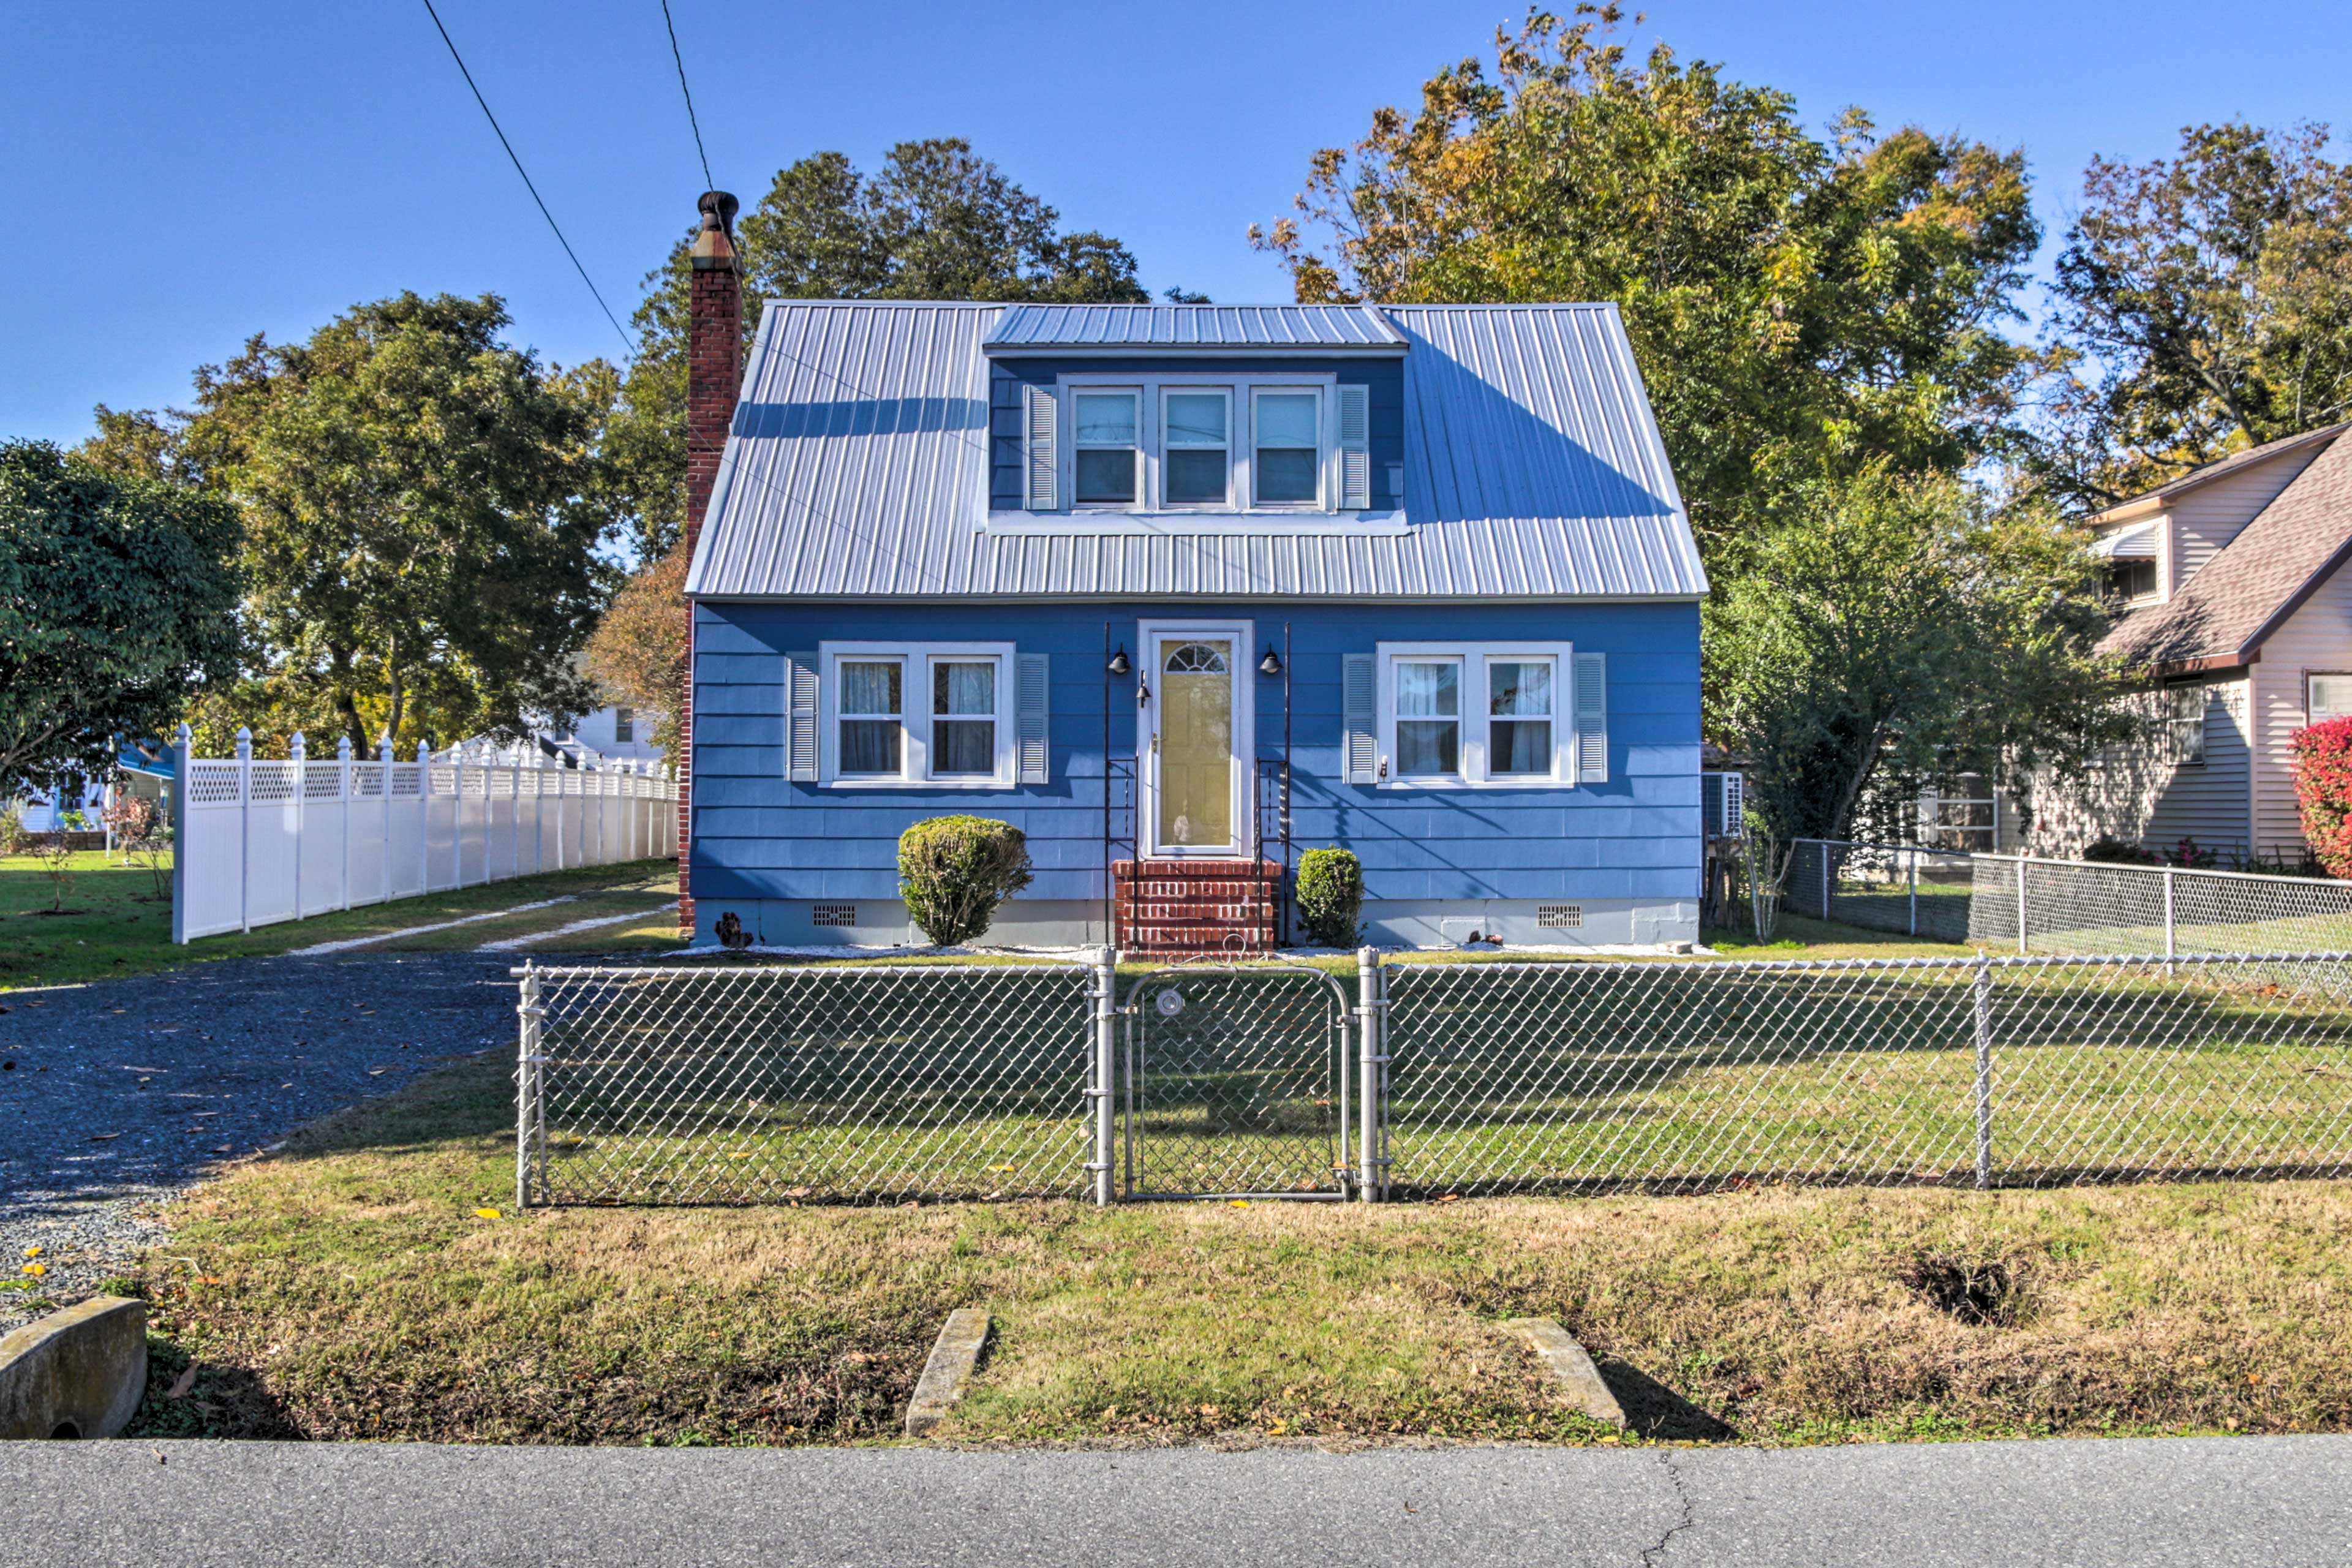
[(1560, 916), (833, 915)]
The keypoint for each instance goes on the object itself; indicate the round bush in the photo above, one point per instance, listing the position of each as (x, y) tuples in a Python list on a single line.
[(2323, 788), (1331, 896), (955, 870)]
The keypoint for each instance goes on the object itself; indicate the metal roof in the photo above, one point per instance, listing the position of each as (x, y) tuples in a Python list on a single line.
[(1324, 328), (859, 469)]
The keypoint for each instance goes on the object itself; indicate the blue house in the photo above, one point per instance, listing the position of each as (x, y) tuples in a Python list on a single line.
[(1182, 592)]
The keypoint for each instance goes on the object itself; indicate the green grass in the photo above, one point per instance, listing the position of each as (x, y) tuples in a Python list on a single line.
[(115, 924), (346, 1289)]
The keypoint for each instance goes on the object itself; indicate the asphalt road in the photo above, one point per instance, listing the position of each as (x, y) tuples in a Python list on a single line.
[(2147, 1504)]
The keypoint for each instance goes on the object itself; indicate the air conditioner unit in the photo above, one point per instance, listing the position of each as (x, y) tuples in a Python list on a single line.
[(1723, 799)]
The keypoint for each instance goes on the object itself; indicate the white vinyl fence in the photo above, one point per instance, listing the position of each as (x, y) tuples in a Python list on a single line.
[(258, 843)]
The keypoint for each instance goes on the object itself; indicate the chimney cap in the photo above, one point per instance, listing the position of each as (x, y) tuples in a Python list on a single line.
[(718, 209), (714, 244)]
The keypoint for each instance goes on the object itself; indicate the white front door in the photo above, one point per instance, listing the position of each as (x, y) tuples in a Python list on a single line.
[(1196, 771)]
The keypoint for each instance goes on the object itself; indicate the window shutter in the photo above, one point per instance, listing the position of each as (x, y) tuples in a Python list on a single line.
[(1355, 448), (1735, 805), (1040, 411), (1360, 742), (800, 717), (1592, 718), (1030, 725)]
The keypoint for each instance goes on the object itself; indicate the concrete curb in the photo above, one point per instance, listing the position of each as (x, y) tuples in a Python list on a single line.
[(952, 1359), (75, 1373), (1567, 1363)]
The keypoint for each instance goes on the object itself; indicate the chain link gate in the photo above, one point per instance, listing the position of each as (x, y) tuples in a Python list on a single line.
[(1235, 1082)]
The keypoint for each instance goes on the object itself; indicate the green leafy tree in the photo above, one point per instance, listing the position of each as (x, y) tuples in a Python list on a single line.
[(936, 222), (2204, 305), (1797, 308), (118, 596), (422, 502), (1893, 631)]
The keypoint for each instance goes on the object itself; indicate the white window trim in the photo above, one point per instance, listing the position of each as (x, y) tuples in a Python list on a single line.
[(1141, 399), (2310, 711), (1158, 460), (1241, 431), (1474, 658), (915, 721)]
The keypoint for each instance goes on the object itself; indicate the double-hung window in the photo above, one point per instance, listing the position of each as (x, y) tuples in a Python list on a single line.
[(1196, 459), (1285, 445), (1476, 713), (1108, 459), (917, 714)]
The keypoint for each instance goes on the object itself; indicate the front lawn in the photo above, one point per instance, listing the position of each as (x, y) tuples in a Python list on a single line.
[(114, 923), (349, 1288)]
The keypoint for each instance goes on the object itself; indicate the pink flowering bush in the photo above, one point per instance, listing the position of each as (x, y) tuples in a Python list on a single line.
[(2323, 788)]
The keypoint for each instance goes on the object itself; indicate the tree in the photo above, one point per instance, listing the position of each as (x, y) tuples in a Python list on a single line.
[(118, 595), (1797, 309), (1897, 630), (638, 652), (422, 504), (936, 222), (2204, 305)]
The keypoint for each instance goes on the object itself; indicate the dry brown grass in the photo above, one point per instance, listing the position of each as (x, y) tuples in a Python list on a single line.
[(347, 1289)]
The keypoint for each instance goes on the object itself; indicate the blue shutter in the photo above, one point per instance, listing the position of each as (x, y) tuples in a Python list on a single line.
[(1029, 686), (1361, 741), (1355, 448), (1039, 413), (1592, 718), (800, 717)]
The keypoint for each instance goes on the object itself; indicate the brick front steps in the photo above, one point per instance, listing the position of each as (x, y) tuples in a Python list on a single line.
[(1195, 906)]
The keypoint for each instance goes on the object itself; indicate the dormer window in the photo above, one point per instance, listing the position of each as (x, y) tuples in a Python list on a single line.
[(2128, 581), (1288, 423), (1191, 441), (1110, 456)]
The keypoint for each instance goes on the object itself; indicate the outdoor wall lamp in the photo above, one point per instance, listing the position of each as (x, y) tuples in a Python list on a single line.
[(1270, 664), (1118, 665)]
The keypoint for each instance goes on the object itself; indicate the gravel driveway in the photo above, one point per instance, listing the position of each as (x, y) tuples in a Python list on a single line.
[(115, 1096)]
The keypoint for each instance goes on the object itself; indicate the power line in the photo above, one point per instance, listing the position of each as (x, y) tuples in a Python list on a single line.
[(625, 339), (708, 183)]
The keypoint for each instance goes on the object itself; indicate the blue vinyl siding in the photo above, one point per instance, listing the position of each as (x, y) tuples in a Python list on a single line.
[(1384, 402), (757, 835)]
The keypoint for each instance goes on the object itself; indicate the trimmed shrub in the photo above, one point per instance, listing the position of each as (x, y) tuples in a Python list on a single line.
[(1331, 896), (2323, 788), (955, 870)]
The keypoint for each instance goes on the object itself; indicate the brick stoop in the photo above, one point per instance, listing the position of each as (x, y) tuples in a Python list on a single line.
[(1195, 906)]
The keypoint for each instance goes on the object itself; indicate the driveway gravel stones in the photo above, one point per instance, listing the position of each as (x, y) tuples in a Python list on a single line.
[(116, 1096)]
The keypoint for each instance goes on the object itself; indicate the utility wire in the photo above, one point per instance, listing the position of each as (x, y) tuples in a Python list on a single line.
[(708, 183), (625, 339)]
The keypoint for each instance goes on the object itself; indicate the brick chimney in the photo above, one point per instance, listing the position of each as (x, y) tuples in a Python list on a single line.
[(714, 377)]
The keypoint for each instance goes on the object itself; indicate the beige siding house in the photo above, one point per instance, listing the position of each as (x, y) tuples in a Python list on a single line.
[(2238, 595)]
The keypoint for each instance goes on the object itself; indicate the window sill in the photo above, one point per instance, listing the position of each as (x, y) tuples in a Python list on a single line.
[(1476, 784), (1096, 520), (917, 783)]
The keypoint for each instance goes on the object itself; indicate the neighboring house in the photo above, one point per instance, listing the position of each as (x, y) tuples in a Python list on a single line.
[(608, 735), (2238, 606), (1098, 570)]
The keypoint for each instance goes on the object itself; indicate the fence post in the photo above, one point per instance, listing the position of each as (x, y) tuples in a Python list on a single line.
[(1983, 988), (1105, 1075), (183, 778), (424, 817), (527, 1085), (2021, 945), (2170, 949), (387, 759), (1914, 855), (1825, 876), (344, 792), (1371, 1096), (244, 828), (299, 750)]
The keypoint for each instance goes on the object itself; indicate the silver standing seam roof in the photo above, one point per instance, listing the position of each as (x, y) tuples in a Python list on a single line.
[(859, 468), (1322, 329)]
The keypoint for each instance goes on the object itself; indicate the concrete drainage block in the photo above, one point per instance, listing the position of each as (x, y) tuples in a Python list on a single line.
[(75, 1373), (1569, 1364), (953, 1357)]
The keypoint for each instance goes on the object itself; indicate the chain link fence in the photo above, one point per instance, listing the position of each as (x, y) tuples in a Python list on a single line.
[(874, 1083), (1983, 1072), (2027, 905), (761, 1085)]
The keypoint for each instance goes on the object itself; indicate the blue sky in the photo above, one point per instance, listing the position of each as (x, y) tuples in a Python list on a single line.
[(179, 176)]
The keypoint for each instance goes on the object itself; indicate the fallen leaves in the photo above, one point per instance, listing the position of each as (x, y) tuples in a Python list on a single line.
[(181, 1384), (486, 1214), (37, 1270), (104, 1137)]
